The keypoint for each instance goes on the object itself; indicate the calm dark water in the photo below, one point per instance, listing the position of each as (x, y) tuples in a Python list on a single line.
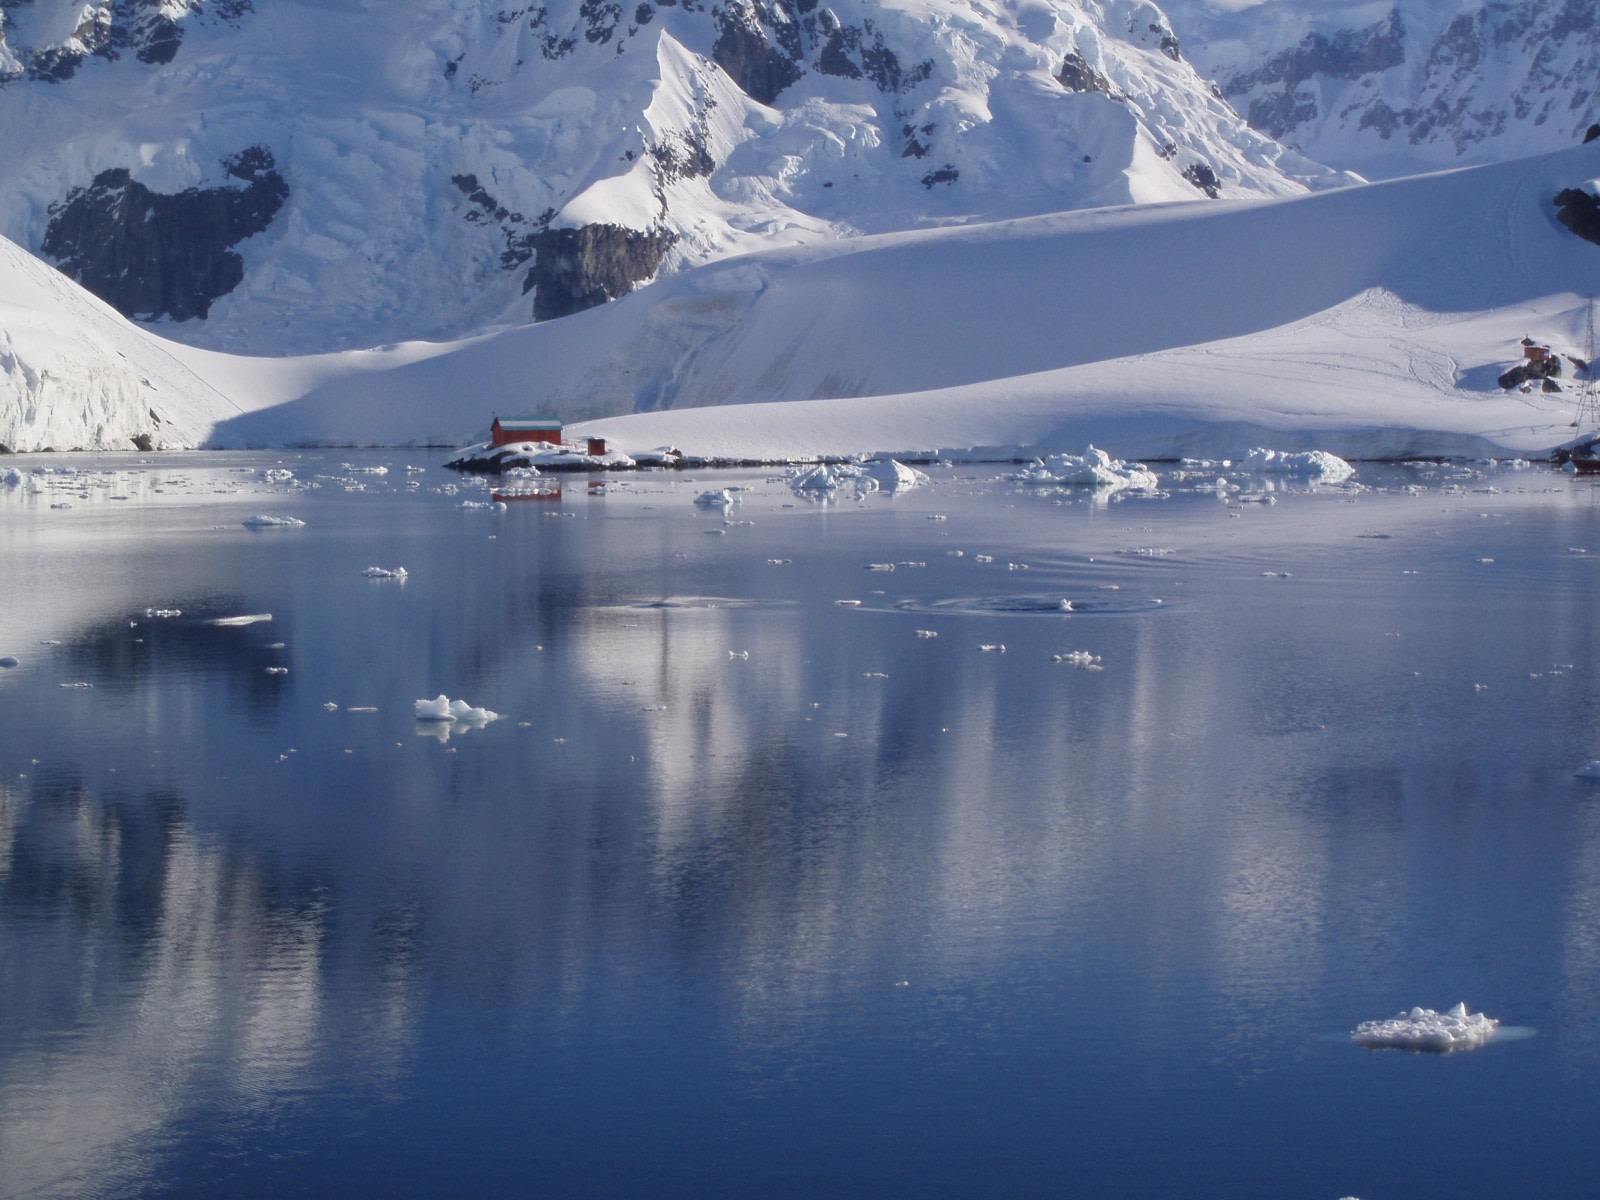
[(752, 893)]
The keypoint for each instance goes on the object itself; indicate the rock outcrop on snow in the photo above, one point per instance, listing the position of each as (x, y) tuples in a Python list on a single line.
[(150, 254)]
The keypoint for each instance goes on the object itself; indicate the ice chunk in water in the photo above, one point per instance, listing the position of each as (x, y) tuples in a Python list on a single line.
[(1425, 1029), (263, 521), (1307, 464), (442, 708)]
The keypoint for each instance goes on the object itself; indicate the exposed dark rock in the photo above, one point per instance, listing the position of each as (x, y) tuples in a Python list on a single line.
[(742, 50), (1579, 211), (835, 57), (682, 154), (144, 441), (1350, 54), (945, 174), (149, 254), (148, 29), (517, 229), (1204, 178), (1550, 385), (1546, 369), (600, 20), (1277, 113), (575, 269), (1076, 75), (1591, 133), (1379, 117)]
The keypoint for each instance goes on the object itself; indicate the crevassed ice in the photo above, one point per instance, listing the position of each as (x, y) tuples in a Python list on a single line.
[(1426, 1029)]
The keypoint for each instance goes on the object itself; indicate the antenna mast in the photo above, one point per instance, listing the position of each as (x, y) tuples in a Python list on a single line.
[(1588, 405)]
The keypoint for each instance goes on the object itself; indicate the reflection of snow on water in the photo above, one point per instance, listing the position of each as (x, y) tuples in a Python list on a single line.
[(1048, 605)]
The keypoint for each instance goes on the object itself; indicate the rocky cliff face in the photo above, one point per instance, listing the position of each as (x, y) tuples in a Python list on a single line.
[(437, 160), (45, 40), (1407, 85), (151, 255)]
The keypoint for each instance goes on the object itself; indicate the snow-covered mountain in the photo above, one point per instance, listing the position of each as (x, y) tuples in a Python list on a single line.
[(1371, 320), (1392, 87), (307, 175)]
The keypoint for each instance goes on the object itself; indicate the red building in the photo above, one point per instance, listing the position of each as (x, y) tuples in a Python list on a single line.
[(506, 430)]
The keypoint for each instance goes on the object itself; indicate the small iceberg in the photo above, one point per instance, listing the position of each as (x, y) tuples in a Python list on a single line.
[(1304, 464), (1094, 469), (891, 476), (385, 573), (1425, 1029), (442, 708), (262, 521), (816, 480), (721, 498), (1589, 770)]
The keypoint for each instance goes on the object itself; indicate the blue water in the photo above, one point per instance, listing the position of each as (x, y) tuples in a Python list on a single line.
[(752, 893)]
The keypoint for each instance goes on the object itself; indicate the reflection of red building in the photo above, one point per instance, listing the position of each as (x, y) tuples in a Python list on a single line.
[(506, 430)]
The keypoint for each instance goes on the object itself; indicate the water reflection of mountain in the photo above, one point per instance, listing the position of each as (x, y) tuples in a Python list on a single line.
[(156, 972), (1210, 835), (205, 638)]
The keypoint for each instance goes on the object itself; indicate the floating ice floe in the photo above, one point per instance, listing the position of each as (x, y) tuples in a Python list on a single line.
[(1081, 659), (442, 708), (246, 619), (10, 478), (1589, 770), (385, 573), (1305, 464), (1425, 1029), (889, 476), (7, 662), (484, 505), (263, 521), (721, 498), (1094, 468), (816, 480)]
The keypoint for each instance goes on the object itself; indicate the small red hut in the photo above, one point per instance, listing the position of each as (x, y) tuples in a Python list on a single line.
[(506, 430)]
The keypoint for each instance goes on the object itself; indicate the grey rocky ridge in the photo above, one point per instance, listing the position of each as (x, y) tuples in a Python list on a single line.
[(304, 177), (1391, 88)]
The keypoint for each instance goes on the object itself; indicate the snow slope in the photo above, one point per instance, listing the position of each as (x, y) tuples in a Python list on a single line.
[(76, 375), (1369, 320), (429, 150)]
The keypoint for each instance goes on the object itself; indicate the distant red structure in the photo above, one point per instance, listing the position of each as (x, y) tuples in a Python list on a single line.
[(507, 430), (597, 447)]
